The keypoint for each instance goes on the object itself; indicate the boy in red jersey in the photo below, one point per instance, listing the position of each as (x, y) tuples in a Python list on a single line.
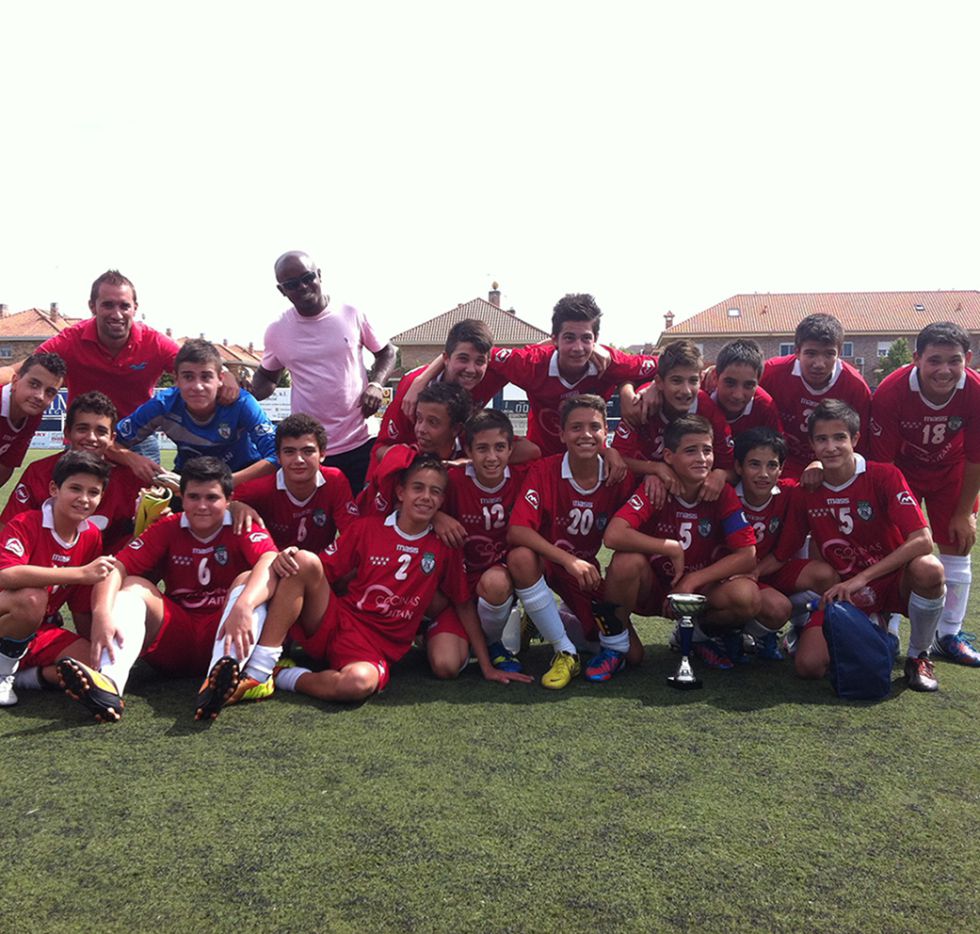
[(766, 501), (743, 402), (925, 419), (90, 425), (47, 555), (555, 534), (690, 545), (678, 383), (22, 404), (303, 503), (870, 529), (386, 572), (212, 612), (481, 497), (801, 381)]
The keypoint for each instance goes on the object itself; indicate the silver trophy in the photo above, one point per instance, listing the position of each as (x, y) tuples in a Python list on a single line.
[(686, 607)]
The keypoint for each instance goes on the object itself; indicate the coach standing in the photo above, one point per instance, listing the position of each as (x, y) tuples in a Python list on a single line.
[(321, 345)]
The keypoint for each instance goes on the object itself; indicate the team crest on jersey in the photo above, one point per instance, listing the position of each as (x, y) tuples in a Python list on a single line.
[(955, 423), (15, 546), (428, 562), (905, 498), (774, 524), (864, 510), (532, 497), (636, 501), (21, 494), (221, 555), (319, 518), (224, 429), (704, 527)]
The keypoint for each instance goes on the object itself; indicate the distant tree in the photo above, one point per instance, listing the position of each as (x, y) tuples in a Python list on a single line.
[(898, 355)]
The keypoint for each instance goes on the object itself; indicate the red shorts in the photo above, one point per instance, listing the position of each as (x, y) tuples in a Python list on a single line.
[(940, 494), (447, 621), (185, 642), (784, 580), (473, 577), (48, 646), (888, 591), (579, 601)]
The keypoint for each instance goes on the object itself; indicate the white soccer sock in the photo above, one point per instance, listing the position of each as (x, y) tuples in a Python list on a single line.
[(258, 621), (541, 607), (799, 601), (959, 576), (286, 678), (261, 662), (28, 679), (755, 629), (619, 642), (129, 617), (493, 618), (894, 621), (924, 615)]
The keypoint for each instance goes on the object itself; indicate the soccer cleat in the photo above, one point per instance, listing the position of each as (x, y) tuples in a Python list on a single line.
[(713, 655), (767, 647), (603, 666), (564, 667), (96, 691), (920, 674), (958, 647), (284, 662), (251, 690), (789, 642), (502, 658), (735, 648), (8, 697), (220, 685), (150, 505)]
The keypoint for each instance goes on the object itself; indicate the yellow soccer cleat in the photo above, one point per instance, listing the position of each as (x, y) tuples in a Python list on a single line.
[(251, 690), (94, 690), (564, 667), (150, 505)]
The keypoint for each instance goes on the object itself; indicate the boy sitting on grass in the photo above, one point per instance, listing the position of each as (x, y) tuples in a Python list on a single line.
[(766, 501), (555, 534), (690, 545), (47, 556), (216, 584), (385, 573), (240, 434), (90, 426), (870, 529), (304, 503)]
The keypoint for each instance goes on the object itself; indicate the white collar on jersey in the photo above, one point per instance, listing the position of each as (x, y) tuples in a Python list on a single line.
[(916, 387), (592, 370), (281, 485), (471, 473), (392, 521), (838, 369), (566, 474), (5, 407), (860, 466), (740, 493), (746, 411), (47, 522), (184, 524)]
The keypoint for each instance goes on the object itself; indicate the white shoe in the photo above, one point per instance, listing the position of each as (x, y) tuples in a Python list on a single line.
[(7, 696)]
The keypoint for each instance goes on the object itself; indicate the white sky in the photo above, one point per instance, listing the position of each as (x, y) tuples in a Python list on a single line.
[(660, 156)]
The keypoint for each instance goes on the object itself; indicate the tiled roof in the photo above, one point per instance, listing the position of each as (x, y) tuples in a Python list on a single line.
[(34, 324), (507, 329), (860, 313), (235, 354)]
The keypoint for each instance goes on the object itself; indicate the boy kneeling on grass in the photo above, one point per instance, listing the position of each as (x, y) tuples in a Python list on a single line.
[(870, 529), (47, 556), (386, 572), (677, 548), (211, 615)]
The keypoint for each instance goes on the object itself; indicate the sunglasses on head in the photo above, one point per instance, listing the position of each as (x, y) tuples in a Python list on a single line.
[(290, 285)]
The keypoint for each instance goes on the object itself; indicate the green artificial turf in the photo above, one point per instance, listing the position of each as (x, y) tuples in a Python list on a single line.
[(760, 803)]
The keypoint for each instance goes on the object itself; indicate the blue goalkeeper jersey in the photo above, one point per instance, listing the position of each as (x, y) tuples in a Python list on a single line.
[(239, 434)]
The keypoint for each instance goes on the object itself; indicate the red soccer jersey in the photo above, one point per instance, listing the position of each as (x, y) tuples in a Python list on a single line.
[(312, 523), (795, 399), (535, 370), (397, 576), (127, 377), (198, 574), (768, 520), (396, 425), (856, 524), (113, 516), (30, 539), (563, 513), (646, 443), (761, 412), (706, 531), (379, 496), (484, 513), (14, 439), (924, 440)]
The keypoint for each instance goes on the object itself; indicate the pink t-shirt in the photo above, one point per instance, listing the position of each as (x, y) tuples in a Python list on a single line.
[(324, 357)]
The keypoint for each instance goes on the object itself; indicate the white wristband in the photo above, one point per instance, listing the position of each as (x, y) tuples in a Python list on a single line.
[(373, 383)]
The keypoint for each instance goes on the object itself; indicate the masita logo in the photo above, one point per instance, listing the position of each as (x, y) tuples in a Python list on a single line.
[(532, 497), (905, 498), (15, 546)]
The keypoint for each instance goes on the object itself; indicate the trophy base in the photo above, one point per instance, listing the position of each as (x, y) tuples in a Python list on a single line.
[(684, 684)]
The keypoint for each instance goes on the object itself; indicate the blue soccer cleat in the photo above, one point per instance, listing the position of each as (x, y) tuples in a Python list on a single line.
[(767, 647), (502, 658), (603, 666), (713, 655), (958, 648)]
